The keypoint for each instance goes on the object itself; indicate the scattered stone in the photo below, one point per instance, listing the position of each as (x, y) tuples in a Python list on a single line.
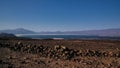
[(23, 62), (58, 52)]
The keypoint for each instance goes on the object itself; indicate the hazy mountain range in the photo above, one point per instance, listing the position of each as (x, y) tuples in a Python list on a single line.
[(103, 32)]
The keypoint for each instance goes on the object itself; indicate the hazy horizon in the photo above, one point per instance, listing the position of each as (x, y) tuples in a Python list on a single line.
[(59, 15), (60, 31)]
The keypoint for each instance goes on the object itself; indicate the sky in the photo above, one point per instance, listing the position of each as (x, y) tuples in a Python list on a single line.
[(59, 15)]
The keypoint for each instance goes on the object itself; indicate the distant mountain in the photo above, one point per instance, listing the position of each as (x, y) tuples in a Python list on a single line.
[(103, 32), (17, 31)]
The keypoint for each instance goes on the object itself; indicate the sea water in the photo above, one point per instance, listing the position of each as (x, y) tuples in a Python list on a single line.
[(38, 36)]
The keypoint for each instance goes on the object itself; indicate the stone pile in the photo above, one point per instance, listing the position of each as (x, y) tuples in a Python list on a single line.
[(98, 53), (59, 52), (62, 52)]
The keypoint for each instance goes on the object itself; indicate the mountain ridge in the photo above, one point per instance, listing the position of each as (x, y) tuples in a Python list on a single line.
[(102, 32)]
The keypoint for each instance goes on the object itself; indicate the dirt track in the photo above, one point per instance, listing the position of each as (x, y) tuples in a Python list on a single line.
[(22, 58)]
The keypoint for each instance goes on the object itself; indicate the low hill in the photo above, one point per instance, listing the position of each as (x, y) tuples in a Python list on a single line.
[(17, 31), (7, 35)]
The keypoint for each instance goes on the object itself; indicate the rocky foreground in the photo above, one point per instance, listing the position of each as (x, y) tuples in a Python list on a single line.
[(59, 54)]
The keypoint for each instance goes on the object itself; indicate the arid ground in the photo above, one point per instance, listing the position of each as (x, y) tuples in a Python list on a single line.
[(31, 53)]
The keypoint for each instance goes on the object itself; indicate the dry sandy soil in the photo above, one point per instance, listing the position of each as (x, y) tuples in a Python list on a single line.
[(105, 54)]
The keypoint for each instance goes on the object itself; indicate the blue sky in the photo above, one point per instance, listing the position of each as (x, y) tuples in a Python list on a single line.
[(59, 15)]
